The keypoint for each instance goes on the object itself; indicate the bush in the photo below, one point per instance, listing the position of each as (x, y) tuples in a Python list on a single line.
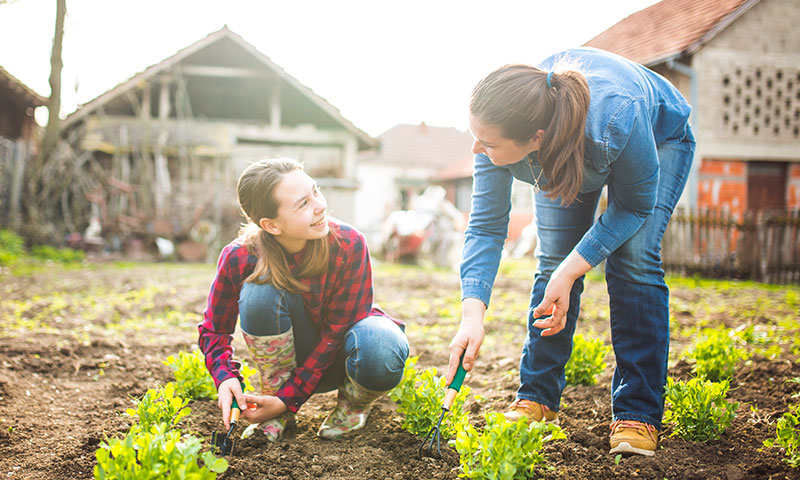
[(715, 355), (12, 246), (420, 396), (157, 406), (192, 379), (503, 450), (586, 362), (158, 452), (62, 255), (787, 436), (698, 408)]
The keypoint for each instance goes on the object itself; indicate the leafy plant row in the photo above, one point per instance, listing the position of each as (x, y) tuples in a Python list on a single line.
[(155, 447)]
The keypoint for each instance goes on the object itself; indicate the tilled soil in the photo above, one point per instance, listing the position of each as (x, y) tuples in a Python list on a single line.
[(63, 386)]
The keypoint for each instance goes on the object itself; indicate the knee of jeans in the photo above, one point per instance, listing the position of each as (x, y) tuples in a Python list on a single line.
[(377, 361), (637, 263), (260, 308)]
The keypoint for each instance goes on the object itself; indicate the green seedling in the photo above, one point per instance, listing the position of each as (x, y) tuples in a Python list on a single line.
[(698, 408), (419, 397), (504, 449), (715, 355), (787, 436), (586, 362), (158, 452), (158, 406), (192, 380)]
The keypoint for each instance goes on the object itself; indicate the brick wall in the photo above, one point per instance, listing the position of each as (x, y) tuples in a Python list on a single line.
[(723, 183), (793, 189)]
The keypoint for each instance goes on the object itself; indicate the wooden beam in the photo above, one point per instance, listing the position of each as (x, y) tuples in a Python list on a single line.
[(225, 72)]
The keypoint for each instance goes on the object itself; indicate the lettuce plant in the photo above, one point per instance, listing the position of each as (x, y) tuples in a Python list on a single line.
[(192, 379), (787, 436), (587, 361), (504, 450), (715, 355), (419, 397), (157, 453), (698, 408), (157, 406)]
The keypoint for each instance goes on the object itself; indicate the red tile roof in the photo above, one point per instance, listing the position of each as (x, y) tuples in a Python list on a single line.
[(422, 146), (669, 28)]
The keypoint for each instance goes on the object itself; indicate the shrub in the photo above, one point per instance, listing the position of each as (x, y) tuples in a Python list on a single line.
[(157, 406), (787, 436), (503, 450), (158, 452), (586, 362), (420, 396), (12, 246), (715, 355), (192, 379), (698, 408), (63, 255)]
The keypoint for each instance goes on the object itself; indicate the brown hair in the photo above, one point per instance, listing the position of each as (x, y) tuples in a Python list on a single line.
[(256, 193), (517, 100)]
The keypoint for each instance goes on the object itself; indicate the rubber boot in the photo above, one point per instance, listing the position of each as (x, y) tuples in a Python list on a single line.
[(274, 358), (353, 404)]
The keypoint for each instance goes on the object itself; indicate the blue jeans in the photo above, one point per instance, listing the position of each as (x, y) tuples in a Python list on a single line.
[(374, 350), (638, 297)]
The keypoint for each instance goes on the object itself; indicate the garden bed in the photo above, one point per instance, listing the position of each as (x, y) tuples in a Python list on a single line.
[(77, 343)]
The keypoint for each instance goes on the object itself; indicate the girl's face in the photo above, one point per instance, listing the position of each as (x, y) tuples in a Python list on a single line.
[(500, 150), (301, 212)]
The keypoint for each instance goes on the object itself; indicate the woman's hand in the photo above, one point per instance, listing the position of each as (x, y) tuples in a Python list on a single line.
[(557, 293), (262, 407), (228, 390), (469, 337)]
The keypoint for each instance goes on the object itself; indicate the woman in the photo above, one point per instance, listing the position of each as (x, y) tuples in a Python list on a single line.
[(583, 119), (301, 283)]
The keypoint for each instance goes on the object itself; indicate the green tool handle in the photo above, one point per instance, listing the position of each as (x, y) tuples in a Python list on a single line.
[(235, 408), (455, 385), (458, 378)]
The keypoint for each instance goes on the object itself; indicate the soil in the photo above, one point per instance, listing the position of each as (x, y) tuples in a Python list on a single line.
[(65, 381)]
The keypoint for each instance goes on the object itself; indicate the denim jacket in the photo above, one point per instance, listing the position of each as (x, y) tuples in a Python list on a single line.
[(631, 111)]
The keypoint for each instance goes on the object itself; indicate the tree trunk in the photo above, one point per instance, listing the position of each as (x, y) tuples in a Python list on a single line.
[(52, 130)]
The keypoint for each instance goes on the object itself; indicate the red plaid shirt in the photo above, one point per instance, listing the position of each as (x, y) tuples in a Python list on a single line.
[(337, 300)]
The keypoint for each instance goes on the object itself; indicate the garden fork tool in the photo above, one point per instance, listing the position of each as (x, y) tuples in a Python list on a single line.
[(224, 441), (435, 435)]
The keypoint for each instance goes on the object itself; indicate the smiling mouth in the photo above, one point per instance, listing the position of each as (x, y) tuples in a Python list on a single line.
[(318, 223)]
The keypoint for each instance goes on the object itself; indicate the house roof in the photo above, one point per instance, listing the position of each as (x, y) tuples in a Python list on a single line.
[(12, 83), (422, 146), (213, 39), (669, 28)]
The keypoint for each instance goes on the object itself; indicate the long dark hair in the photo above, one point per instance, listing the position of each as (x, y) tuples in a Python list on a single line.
[(256, 193), (517, 100)]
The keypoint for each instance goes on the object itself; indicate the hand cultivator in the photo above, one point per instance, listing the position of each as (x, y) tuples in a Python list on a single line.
[(434, 435), (224, 442)]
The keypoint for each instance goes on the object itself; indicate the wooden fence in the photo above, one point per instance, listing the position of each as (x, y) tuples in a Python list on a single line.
[(763, 246)]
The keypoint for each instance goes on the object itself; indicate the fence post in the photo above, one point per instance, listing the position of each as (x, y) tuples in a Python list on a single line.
[(20, 158)]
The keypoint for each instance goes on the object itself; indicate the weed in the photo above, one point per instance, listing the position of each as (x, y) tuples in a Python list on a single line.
[(192, 379), (787, 436), (715, 355)]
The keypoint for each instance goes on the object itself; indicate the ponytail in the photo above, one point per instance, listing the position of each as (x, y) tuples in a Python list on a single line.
[(521, 100)]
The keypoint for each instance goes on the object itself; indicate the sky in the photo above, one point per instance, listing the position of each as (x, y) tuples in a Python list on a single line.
[(380, 63)]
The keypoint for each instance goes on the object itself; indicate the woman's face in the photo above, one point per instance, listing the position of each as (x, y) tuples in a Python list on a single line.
[(301, 212), (500, 150)]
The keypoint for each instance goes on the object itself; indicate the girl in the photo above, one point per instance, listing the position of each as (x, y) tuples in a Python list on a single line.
[(301, 283), (569, 130)]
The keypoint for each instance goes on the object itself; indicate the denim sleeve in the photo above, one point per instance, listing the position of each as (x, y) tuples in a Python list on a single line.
[(487, 229), (633, 187)]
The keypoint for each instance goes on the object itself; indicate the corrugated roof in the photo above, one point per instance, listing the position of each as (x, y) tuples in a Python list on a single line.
[(669, 28), (423, 146)]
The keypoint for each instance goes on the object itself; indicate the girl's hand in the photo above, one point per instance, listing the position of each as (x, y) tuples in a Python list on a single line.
[(262, 407), (468, 339), (228, 390)]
